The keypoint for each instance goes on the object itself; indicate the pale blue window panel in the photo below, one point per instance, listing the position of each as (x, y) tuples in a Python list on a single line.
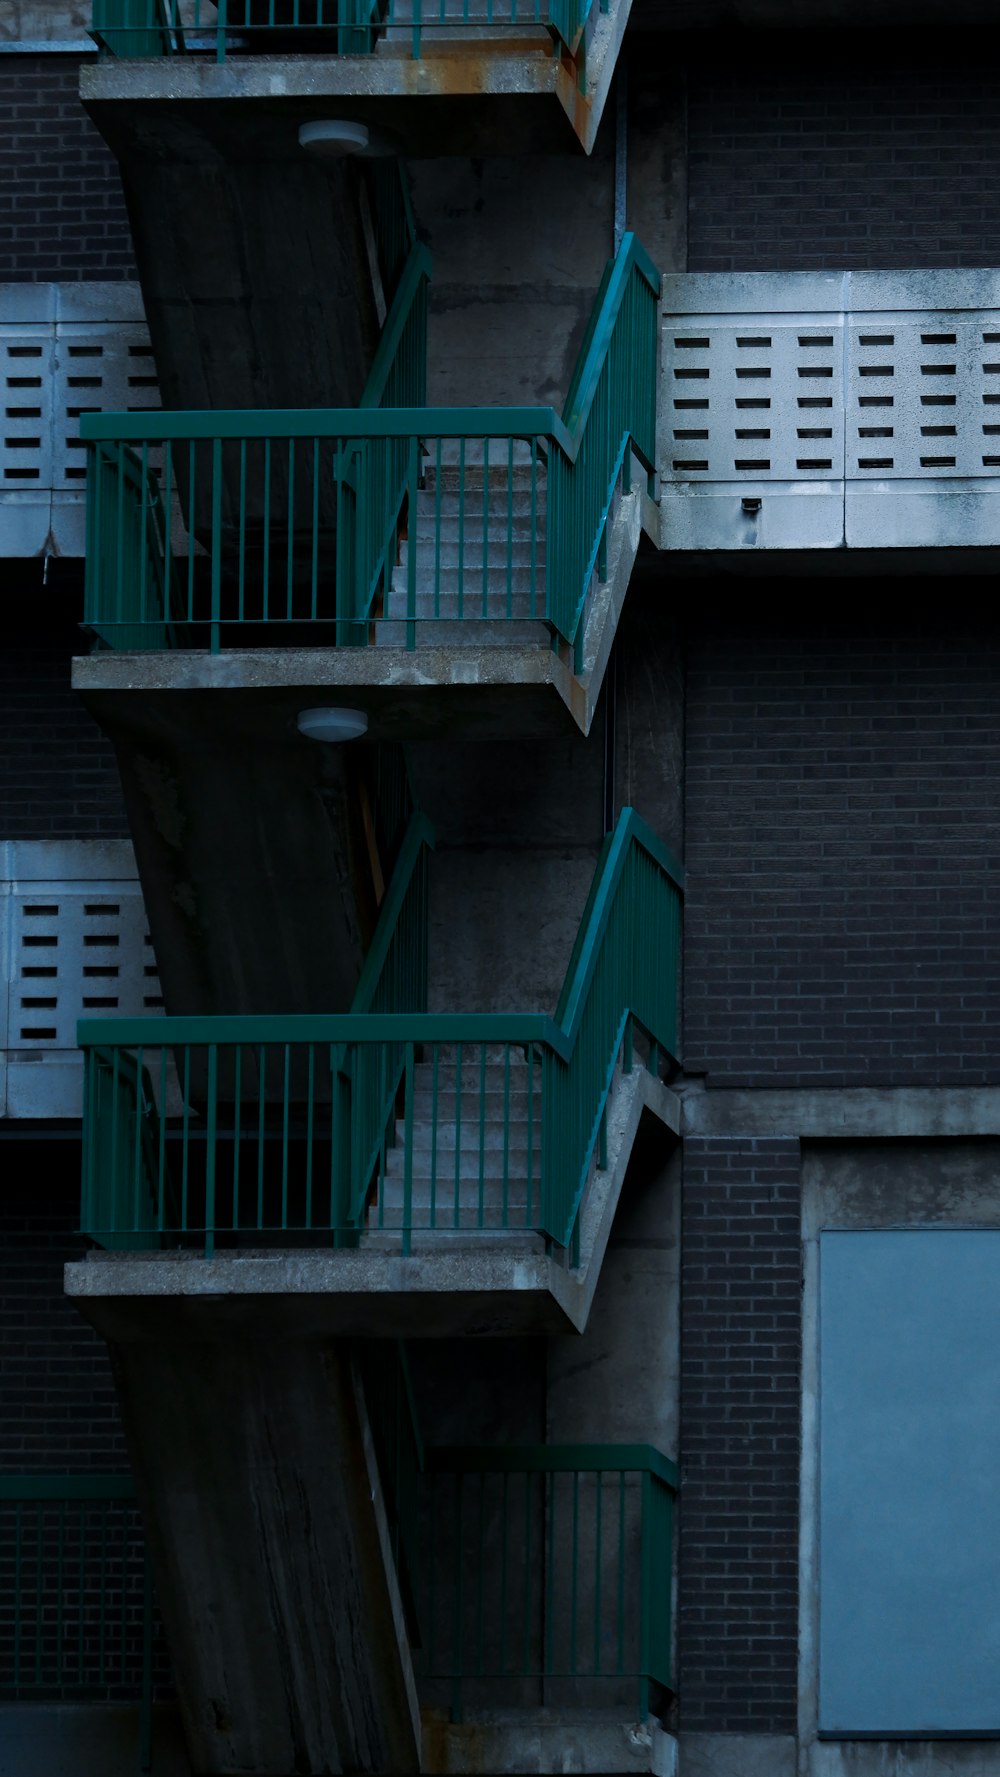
[(909, 1604)]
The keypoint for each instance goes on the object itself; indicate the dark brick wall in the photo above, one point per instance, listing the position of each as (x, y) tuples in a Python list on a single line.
[(58, 776), (740, 1344), (842, 839), (807, 152), (58, 1409), (62, 216)]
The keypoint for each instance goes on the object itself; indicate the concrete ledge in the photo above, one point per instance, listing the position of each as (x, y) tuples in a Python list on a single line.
[(547, 1741), (443, 68), (829, 1113), (738, 1755)]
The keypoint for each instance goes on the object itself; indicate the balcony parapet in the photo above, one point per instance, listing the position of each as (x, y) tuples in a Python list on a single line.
[(65, 349), (853, 410), (74, 938)]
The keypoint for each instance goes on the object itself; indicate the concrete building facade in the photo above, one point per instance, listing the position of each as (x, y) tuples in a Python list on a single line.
[(498, 825)]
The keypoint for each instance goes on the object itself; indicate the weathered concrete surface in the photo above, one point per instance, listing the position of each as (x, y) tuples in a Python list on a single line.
[(619, 1382), (254, 270), (818, 1113), (647, 686), (482, 100), (737, 1755), (261, 1508), (489, 690), (250, 847), (867, 1185), (86, 1740), (44, 21), (548, 1741)]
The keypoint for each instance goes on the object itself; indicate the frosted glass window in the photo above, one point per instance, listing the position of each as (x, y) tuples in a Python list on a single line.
[(910, 1483)]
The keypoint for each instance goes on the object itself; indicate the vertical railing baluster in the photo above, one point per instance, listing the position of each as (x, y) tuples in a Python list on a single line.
[(185, 1135), (216, 631), (286, 1089), (146, 1701), (482, 1132), (411, 551), (437, 527), (290, 563), (241, 564), (211, 1109), (434, 1131), (486, 524), (237, 1130), (261, 1111), (408, 1148), (457, 1218), (266, 552)]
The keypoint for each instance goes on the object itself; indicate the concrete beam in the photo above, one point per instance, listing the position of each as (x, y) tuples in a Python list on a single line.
[(828, 1113)]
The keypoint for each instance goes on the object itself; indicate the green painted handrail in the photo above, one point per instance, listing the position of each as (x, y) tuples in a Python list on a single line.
[(299, 514), (342, 1084), (549, 1562), (552, 1459), (155, 28), (74, 1600), (326, 422)]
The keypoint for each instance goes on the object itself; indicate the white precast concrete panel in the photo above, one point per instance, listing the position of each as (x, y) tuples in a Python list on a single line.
[(65, 350), (909, 1582)]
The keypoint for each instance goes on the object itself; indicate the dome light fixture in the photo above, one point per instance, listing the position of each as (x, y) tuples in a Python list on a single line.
[(332, 725), (333, 137)]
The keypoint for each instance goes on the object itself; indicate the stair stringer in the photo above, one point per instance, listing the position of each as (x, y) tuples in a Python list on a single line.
[(630, 1095), (631, 514), (586, 108)]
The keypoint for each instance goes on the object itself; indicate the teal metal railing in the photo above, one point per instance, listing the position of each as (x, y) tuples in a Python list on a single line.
[(76, 1595), (155, 28), (271, 1124), (293, 521), (548, 1576), (201, 1130)]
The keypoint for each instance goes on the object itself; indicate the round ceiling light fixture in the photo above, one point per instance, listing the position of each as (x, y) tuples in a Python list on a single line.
[(332, 725), (333, 137)]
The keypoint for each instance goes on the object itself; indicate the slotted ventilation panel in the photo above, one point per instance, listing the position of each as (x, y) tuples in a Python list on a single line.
[(64, 350), (75, 945), (806, 410)]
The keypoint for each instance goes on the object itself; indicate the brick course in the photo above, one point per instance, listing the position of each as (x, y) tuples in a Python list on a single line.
[(805, 154), (842, 838), (62, 214), (740, 1362)]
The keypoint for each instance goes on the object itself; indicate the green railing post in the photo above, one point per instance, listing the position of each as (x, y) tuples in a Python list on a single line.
[(146, 1701), (646, 1602), (220, 30), (210, 1134), (216, 631), (411, 545)]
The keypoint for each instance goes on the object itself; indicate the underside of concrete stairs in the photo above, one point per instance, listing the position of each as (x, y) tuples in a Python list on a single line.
[(473, 1282), (256, 1474), (473, 90)]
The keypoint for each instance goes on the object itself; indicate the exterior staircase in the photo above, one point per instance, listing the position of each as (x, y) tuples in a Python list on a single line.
[(480, 559), (475, 1153), (393, 539)]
